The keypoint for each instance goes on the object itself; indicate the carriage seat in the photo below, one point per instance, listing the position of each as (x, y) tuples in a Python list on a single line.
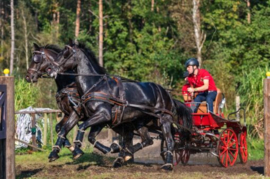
[(203, 107)]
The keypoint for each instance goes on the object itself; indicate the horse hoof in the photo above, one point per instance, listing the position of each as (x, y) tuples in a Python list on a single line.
[(71, 148), (167, 167), (128, 157), (53, 156), (77, 153), (118, 162)]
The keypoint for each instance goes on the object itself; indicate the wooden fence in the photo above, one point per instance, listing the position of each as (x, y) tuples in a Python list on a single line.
[(7, 128), (45, 127)]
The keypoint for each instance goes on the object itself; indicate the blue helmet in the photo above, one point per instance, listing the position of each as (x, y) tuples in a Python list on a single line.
[(191, 62)]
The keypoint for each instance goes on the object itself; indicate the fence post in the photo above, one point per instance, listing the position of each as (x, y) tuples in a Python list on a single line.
[(237, 104), (10, 127), (267, 127), (51, 124), (33, 131), (45, 129)]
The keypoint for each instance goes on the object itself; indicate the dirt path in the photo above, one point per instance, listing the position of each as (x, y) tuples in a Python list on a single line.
[(146, 166), (100, 167)]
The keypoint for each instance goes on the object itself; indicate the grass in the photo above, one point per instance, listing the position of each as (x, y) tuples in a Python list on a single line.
[(95, 166), (255, 148)]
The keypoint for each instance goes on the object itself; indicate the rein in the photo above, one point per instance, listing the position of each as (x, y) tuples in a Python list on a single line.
[(101, 75)]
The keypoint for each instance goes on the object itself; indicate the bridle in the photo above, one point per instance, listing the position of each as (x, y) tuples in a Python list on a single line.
[(39, 62), (67, 58)]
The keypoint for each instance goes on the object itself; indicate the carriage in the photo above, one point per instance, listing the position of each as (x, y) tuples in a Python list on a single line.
[(147, 107), (212, 133)]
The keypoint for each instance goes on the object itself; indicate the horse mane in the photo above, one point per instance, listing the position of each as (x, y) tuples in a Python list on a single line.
[(53, 48), (90, 55)]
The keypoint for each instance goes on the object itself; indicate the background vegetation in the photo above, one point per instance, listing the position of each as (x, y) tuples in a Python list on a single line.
[(148, 43)]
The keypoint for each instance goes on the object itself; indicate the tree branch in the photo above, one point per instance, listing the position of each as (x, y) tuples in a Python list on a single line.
[(92, 13)]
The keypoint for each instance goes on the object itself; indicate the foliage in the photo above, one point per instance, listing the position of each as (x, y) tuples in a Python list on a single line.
[(150, 42), (255, 148), (36, 95), (29, 95)]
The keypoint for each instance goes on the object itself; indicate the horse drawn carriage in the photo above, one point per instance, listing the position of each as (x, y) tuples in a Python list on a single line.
[(211, 132), (99, 99)]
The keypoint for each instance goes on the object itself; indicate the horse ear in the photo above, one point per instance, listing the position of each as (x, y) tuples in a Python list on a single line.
[(36, 47), (71, 42)]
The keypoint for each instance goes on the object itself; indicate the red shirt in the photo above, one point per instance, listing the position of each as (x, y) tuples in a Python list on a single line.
[(197, 81)]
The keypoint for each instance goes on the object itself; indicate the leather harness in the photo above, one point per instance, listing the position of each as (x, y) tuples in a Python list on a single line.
[(120, 103)]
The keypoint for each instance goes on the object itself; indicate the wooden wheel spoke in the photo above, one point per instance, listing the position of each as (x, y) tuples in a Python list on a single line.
[(223, 151), (224, 144), (233, 155), (226, 164), (228, 147)]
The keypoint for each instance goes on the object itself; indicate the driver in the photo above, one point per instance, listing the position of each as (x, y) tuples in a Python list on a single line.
[(201, 82)]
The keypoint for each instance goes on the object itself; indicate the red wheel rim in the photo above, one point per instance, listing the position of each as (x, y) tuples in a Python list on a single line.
[(177, 155), (182, 155), (227, 148), (185, 154), (243, 147)]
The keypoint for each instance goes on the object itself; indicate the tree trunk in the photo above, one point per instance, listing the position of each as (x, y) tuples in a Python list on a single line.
[(25, 39), (199, 35), (152, 5), (36, 19), (100, 48), (77, 28), (130, 26), (58, 24), (2, 28), (12, 36), (90, 17), (248, 15)]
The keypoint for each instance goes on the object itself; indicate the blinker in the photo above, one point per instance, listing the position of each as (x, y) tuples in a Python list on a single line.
[(37, 59)]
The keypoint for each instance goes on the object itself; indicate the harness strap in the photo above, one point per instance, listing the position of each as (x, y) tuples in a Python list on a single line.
[(119, 110), (103, 97), (143, 107)]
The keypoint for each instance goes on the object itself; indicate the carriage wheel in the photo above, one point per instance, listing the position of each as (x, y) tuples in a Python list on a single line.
[(243, 151), (179, 154), (182, 155), (227, 148)]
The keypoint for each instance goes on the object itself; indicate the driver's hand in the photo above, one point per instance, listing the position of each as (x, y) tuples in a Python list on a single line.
[(190, 90)]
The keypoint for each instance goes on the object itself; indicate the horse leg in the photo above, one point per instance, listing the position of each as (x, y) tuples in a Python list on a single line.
[(127, 133), (145, 141), (99, 117), (70, 123), (166, 130), (95, 130), (58, 129)]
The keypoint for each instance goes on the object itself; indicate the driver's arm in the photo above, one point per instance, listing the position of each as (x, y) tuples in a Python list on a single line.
[(204, 87), (201, 88)]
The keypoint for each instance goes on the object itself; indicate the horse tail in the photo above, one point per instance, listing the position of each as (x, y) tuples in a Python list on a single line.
[(184, 113)]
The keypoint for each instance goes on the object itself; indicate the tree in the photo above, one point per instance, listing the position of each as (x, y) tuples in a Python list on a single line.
[(77, 28), (100, 39), (199, 35), (12, 36)]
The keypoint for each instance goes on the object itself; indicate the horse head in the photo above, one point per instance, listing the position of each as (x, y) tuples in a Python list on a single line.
[(77, 57), (43, 60)]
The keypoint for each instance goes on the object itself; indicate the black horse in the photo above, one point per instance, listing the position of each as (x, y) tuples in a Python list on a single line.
[(41, 60), (139, 103), (68, 102)]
